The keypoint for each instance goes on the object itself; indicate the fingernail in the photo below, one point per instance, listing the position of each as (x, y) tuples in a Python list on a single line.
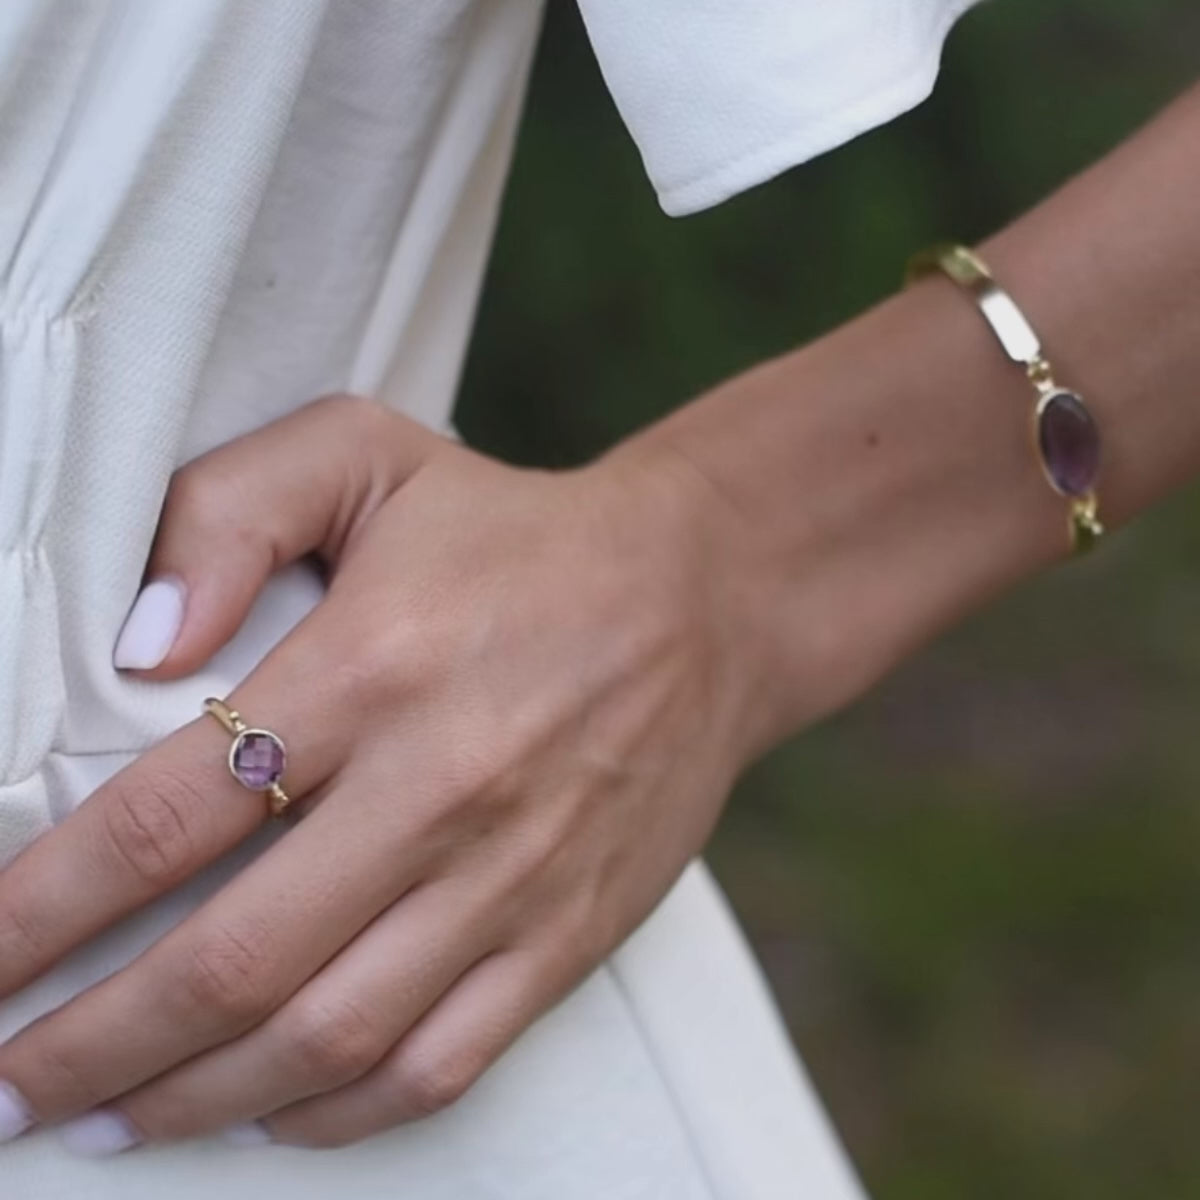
[(97, 1134), (15, 1115), (152, 625), (246, 1133)]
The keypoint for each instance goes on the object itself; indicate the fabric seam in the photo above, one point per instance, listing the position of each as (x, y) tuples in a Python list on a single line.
[(677, 1106)]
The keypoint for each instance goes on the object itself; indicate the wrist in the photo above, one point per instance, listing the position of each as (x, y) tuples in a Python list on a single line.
[(874, 486), (692, 534)]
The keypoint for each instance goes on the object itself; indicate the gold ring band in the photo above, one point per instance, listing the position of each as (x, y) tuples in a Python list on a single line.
[(256, 756)]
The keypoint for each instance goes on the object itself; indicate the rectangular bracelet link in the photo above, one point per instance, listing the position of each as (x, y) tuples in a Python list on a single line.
[(1066, 437)]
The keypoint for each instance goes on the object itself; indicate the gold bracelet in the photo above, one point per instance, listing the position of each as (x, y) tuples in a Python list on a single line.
[(1066, 436)]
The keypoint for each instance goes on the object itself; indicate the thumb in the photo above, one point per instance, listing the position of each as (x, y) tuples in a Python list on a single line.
[(233, 516)]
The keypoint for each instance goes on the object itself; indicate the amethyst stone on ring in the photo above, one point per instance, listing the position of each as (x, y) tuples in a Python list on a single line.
[(256, 759), (1069, 442)]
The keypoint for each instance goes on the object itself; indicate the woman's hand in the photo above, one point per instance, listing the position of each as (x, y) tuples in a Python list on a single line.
[(511, 722)]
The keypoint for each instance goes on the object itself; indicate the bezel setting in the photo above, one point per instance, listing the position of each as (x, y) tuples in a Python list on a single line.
[(1074, 480), (239, 773)]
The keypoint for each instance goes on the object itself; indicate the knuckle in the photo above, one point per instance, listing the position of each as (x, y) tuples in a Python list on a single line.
[(229, 976), (539, 854), (351, 406), (465, 803), (430, 1081), (194, 490), (485, 766), (64, 1084), (159, 1112), (397, 661), (368, 676), (335, 1042), (23, 944), (587, 927), (362, 425), (365, 422), (595, 939), (208, 495), (148, 830)]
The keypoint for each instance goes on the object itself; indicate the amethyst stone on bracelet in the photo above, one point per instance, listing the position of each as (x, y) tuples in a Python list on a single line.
[(1069, 443), (257, 759), (1065, 432)]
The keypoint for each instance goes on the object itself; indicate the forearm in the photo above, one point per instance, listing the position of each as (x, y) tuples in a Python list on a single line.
[(880, 482)]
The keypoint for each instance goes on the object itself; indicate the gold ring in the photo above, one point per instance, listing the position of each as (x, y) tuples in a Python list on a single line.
[(256, 756)]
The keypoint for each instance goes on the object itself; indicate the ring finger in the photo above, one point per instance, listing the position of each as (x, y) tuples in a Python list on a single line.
[(170, 813)]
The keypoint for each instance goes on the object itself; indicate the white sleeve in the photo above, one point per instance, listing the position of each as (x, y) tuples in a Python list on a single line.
[(722, 94)]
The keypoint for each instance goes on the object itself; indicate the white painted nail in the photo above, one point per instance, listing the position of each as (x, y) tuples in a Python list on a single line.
[(99, 1133), (15, 1114), (152, 625), (246, 1133)]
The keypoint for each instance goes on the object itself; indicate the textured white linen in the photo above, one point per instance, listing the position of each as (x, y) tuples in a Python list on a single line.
[(213, 210), (720, 94)]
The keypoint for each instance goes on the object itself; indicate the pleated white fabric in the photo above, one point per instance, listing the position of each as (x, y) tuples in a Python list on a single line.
[(210, 212)]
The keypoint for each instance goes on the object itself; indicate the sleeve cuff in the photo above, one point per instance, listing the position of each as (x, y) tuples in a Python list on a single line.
[(721, 95)]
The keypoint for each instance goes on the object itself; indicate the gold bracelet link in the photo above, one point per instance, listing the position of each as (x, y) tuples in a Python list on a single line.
[(1065, 435)]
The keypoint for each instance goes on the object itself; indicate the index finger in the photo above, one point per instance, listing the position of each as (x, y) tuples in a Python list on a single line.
[(158, 821)]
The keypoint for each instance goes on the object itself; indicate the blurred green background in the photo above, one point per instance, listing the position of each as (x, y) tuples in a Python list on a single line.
[(977, 893)]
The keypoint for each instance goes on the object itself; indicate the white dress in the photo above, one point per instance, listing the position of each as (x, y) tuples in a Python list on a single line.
[(214, 210)]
